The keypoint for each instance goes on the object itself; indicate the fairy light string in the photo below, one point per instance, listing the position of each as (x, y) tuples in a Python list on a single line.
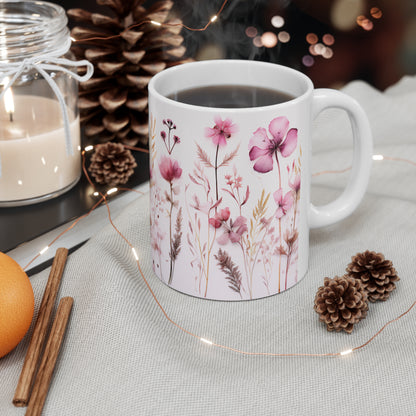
[(160, 24), (204, 340), (103, 200)]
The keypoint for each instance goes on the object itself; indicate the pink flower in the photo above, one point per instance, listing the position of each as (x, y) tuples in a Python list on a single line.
[(295, 185), (262, 148), (233, 231), (222, 131), (220, 217), (169, 169), (284, 203)]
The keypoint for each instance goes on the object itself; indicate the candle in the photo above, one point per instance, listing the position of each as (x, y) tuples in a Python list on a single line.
[(34, 159)]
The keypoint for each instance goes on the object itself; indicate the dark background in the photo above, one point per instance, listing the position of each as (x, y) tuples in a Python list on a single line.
[(380, 56)]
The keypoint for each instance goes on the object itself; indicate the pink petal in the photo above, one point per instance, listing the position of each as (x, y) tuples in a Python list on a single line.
[(209, 132), (287, 201), (264, 164), (218, 121), (229, 127), (257, 152), (177, 171), (278, 127), (279, 213), (241, 230), (223, 239), (289, 145), (214, 222), (221, 140), (225, 214), (278, 196), (259, 139), (240, 220), (234, 237)]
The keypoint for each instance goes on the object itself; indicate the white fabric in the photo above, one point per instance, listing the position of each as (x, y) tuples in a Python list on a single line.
[(122, 357)]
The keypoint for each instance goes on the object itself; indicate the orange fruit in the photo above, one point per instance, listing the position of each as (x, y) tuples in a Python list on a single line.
[(17, 304)]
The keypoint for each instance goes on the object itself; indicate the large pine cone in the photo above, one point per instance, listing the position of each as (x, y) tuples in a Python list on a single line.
[(376, 274), (113, 103), (112, 164), (341, 303)]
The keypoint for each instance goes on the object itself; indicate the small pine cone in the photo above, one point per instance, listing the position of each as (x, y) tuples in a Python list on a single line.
[(341, 303), (376, 274), (112, 164)]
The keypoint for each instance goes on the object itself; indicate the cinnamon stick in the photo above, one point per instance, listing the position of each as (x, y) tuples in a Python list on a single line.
[(27, 376), (47, 365)]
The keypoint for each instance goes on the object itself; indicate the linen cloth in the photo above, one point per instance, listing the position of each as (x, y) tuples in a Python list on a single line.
[(122, 357)]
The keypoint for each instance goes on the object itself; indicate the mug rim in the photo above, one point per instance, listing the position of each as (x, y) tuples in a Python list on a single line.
[(169, 72)]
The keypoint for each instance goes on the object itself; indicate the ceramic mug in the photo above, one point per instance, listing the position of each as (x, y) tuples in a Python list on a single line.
[(230, 187)]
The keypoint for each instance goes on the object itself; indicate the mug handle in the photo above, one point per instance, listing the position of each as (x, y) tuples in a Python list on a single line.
[(346, 203)]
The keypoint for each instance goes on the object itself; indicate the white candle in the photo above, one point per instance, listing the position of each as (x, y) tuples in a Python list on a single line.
[(32, 149)]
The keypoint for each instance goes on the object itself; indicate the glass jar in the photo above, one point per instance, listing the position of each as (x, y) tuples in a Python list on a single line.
[(40, 149)]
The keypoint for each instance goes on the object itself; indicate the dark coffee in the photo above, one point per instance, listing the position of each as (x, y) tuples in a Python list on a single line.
[(230, 96)]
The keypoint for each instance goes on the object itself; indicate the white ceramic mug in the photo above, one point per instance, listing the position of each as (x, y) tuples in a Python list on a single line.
[(230, 187)]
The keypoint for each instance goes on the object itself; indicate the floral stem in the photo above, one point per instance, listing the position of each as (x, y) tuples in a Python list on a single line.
[(216, 173), (170, 235), (280, 221), (249, 275), (287, 267)]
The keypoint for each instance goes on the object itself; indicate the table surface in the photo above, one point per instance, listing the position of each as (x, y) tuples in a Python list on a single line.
[(121, 356)]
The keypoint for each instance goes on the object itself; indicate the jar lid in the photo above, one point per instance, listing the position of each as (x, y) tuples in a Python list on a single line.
[(30, 28)]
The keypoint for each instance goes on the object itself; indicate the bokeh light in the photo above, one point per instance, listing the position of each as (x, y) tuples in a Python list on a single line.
[(344, 12), (312, 50), (283, 36), (278, 21), (376, 13), (328, 53), (269, 39), (308, 60), (319, 48), (367, 25), (328, 39), (360, 19), (257, 41), (251, 31), (311, 38)]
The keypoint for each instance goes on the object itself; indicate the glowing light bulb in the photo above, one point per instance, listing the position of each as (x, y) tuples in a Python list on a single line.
[(88, 148), (206, 341), (378, 157), (44, 250), (155, 23), (214, 18), (346, 352), (111, 191), (135, 254)]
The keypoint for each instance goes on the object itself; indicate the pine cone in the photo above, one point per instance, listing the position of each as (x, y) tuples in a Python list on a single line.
[(376, 274), (341, 303), (112, 164), (113, 103)]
